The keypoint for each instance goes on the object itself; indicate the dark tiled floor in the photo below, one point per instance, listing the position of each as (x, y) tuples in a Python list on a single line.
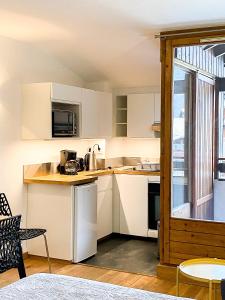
[(127, 254)]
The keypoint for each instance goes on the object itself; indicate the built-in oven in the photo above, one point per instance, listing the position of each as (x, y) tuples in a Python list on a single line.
[(63, 123), (153, 205)]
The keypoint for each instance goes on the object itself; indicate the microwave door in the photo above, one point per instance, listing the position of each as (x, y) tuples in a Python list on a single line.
[(71, 123), (62, 123)]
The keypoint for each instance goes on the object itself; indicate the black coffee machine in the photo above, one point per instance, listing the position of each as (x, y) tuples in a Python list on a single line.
[(66, 155)]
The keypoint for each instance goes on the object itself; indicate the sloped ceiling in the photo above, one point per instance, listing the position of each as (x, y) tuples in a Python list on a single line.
[(105, 40)]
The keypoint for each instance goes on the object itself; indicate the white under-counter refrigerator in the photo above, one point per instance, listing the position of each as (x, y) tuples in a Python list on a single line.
[(85, 221), (69, 213)]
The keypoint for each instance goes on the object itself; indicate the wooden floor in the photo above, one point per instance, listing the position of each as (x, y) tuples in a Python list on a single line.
[(150, 283)]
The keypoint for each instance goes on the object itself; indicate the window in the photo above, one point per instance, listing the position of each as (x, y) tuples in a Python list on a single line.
[(221, 137)]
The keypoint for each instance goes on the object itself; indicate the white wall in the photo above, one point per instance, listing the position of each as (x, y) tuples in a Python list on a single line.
[(20, 63), (146, 148)]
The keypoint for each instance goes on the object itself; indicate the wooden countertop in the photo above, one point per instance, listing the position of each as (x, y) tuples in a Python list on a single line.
[(137, 172), (119, 171), (61, 179), (83, 177)]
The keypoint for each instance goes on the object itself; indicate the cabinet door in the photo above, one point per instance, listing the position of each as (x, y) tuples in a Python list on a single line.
[(157, 107), (133, 204), (96, 114), (104, 114), (140, 115), (66, 93), (51, 207), (36, 103), (104, 214), (104, 206), (90, 116)]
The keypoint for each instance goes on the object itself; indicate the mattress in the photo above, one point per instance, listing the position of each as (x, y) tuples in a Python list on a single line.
[(52, 287)]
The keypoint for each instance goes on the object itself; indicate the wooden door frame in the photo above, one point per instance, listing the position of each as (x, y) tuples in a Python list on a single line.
[(175, 39)]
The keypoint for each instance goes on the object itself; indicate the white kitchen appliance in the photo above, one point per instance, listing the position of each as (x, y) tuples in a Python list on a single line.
[(85, 222)]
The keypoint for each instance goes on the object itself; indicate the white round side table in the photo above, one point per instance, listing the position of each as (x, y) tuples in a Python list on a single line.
[(210, 270)]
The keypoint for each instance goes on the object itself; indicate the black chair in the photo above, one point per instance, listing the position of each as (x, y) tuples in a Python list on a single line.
[(11, 255), (25, 234)]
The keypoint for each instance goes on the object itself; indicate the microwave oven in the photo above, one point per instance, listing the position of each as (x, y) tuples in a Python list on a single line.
[(63, 123)]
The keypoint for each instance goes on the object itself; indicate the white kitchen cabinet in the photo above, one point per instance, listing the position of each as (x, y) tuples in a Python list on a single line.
[(66, 93), (37, 99), (157, 109), (90, 119), (36, 111), (104, 206), (140, 115), (116, 203), (96, 114), (133, 204), (105, 109), (51, 207), (68, 214)]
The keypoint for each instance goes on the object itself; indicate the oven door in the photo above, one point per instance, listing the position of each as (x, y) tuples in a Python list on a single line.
[(62, 123), (153, 205)]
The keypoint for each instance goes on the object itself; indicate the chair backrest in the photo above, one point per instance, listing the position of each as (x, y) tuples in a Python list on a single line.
[(10, 247), (4, 206)]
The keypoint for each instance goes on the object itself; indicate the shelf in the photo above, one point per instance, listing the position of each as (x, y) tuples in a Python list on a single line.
[(121, 130), (121, 101), (121, 116)]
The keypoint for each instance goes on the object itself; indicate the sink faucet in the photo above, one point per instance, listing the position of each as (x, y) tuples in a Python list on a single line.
[(97, 146)]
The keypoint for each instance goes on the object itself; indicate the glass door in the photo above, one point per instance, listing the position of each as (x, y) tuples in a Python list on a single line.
[(181, 142), (192, 218)]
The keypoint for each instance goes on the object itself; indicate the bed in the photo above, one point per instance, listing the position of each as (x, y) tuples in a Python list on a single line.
[(52, 287)]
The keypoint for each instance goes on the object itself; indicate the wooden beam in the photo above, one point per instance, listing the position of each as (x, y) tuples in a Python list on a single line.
[(195, 32), (219, 50)]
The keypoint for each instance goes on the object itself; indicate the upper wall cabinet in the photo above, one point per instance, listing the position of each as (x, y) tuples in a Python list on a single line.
[(96, 114), (89, 128), (136, 113), (121, 116), (65, 93), (105, 112), (39, 100), (140, 115), (142, 111), (92, 110), (36, 111)]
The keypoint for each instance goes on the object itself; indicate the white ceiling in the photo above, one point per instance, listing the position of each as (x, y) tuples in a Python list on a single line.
[(105, 39)]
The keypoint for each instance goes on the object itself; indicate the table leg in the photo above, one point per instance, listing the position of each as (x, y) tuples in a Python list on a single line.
[(210, 290), (177, 281)]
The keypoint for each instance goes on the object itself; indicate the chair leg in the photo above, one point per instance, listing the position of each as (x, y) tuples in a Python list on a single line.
[(47, 252), (21, 268)]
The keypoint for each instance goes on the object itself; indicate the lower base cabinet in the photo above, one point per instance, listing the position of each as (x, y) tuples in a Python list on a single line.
[(131, 204), (104, 206), (122, 207), (51, 207)]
